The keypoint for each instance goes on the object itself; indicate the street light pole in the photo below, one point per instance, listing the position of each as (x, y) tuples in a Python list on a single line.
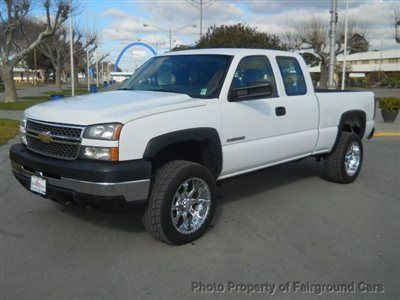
[(201, 19), (98, 61), (332, 33), (102, 71), (34, 58), (97, 73), (200, 5), (87, 52), (345, 47), (88, 68), (170, 39), (380, 61), (170, 31), (71, 52)]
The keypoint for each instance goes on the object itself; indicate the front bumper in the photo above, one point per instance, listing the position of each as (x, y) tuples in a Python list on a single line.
[(120, 182)]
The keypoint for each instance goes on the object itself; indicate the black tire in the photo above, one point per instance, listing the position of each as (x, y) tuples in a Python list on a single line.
[(334, 164), (167, 179)]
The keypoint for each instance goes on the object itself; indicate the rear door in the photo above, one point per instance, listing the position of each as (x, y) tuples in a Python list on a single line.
[(301, 105), (262, 131)]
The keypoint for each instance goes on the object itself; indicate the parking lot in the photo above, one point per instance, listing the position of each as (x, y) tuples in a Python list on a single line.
[(281, 224)]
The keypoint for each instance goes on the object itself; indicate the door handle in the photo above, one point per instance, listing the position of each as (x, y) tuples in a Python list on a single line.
[(280, 111)]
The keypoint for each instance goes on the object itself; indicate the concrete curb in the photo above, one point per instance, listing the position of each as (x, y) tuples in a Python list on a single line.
[(387, 134)]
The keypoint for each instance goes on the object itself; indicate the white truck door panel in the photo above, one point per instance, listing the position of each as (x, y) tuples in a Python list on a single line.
[(254, 133)]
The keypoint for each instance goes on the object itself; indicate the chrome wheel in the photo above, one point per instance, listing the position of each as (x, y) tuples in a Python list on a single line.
[(352, 159), (191, 205)]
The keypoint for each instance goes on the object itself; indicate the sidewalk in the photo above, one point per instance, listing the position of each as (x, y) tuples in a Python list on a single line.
[(33, 91), (30, 91), (12, 114), (381, 127), (37, 91)]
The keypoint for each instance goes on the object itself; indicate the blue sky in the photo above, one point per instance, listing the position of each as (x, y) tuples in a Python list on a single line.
[(121, 22)]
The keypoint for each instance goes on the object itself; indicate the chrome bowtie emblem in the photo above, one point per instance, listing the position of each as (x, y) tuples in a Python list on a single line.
[(45, 137)]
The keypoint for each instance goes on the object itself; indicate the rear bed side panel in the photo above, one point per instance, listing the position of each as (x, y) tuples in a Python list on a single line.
[(332, 107)]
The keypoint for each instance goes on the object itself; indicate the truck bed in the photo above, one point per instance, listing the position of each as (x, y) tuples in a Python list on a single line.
[(332, 104)]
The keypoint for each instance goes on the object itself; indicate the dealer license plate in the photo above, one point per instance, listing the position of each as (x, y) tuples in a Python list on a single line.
[(38, 185)]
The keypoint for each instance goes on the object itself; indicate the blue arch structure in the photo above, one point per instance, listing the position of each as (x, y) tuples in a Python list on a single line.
[(132, 45)]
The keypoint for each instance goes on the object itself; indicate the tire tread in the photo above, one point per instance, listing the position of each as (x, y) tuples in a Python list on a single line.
[(162, 179), (334, 167)]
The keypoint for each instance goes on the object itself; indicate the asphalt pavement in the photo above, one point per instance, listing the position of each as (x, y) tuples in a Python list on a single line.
[(282, 224)]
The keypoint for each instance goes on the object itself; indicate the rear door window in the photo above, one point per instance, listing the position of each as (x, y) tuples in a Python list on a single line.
[(292, 76)]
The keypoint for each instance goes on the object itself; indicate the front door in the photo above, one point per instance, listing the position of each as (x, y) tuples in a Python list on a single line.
[(262, 131)]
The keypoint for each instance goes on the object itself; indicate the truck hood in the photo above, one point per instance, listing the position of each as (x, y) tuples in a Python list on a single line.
[(115, 106)]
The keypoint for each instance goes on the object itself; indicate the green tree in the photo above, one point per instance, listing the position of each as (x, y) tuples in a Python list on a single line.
[(235, 36), (357, 43), (42, 62), (311, 59), (182, 47)]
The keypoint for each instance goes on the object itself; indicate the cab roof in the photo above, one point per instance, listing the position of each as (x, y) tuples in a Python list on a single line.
[(230, 51)]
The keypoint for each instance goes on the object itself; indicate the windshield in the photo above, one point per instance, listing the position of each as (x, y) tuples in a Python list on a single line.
[(199, 76)]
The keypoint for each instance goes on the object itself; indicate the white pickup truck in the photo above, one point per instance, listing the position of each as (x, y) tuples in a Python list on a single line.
[(183, 121)]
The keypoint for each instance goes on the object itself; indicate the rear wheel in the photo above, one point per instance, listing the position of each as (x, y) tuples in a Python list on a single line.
[(344, 164), (182, 202)]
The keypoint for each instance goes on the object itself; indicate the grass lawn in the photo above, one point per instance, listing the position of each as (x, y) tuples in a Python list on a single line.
[(8, 129), (29, 101), (21, 105), (27, 84), (37, 98)]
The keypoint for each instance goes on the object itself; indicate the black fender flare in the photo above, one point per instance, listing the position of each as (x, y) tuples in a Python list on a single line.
[(208, 134), (351, 115)]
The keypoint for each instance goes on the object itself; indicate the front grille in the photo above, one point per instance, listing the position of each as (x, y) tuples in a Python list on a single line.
[(65, 139), (53, 149), (54, 129)]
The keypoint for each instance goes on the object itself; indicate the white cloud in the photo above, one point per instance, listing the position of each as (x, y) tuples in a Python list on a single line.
[(171, 13), (273, 6), (268, 16), (115, 13), (374, 16)]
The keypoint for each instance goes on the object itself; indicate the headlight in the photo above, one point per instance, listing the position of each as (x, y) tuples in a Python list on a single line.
[(100, 153), (109, 131)]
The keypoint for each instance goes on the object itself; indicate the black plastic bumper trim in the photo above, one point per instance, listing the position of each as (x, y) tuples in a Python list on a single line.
[(371, 135), (112, 204), (87, 170)]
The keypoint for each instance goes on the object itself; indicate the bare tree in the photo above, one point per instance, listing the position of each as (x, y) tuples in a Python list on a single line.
[(313, 36), (12, 15), (80, 46), (56, 49), (395, 20)]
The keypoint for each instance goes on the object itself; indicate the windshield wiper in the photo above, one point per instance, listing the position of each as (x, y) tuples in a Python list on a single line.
[(156, 90), (168, 91)]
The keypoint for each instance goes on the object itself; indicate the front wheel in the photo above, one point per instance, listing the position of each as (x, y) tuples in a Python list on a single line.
[(344, 164), (182, 202)]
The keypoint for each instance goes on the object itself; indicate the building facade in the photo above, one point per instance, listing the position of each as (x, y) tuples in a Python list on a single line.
[(371, 67)]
